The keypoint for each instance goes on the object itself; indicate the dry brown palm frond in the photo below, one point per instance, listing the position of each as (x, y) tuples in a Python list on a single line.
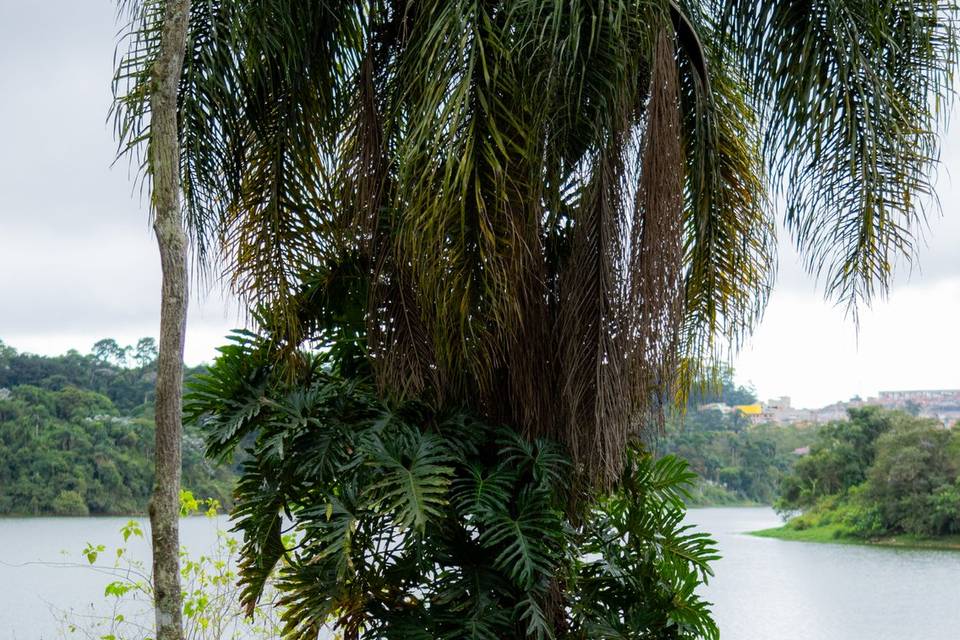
[(654, 302), (562, 207)]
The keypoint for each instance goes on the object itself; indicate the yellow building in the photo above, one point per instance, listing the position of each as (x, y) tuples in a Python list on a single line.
[(750, 409)]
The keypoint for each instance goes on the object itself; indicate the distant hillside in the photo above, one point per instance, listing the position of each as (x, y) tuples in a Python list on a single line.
[(737, 461), (76, 433), (880, 475)]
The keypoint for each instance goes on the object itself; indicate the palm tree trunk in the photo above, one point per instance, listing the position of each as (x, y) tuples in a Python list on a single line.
[(164, 162)]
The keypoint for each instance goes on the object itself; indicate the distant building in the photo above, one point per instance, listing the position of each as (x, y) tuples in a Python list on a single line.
[(717, 406), (919, 396), (750, 409), (941, 404), (778, 404), (781, 411)]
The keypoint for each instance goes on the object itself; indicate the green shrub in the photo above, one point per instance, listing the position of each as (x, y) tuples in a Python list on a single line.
[(416, 524), (907, 472), (69, 503), (211, 597), (944, 510)]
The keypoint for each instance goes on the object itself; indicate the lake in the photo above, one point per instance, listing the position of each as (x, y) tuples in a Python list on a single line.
[(43, 574), (764, 589), (768, 589)]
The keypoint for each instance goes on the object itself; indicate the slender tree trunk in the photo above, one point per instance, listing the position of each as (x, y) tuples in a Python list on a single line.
[(164, 164)]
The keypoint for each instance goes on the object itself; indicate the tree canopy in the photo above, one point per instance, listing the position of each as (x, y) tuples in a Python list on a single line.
[(553, 213), (882, 473), (76, 436), (108, 370)]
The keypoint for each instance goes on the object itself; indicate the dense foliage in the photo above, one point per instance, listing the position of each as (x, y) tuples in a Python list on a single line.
[(76, 436), (719, 387), (125, 608), (735, 461), (882, 473), (558, 210), (416, 524), (124, 374)]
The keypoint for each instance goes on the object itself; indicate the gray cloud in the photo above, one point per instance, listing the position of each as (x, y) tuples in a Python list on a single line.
[(77, 257)]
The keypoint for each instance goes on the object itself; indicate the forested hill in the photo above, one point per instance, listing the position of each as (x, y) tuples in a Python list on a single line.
[(76, 433), (881, 474), (737, 462)]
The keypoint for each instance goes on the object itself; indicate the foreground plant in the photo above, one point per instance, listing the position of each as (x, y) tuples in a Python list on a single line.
[(412, 523), (210, 597), (541, 215)]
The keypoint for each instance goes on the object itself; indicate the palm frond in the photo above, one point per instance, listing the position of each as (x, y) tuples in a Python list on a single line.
[(550, 200), (139, 43), (853, 97)]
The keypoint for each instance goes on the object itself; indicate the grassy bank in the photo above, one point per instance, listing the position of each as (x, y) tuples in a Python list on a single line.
[(833, 534)]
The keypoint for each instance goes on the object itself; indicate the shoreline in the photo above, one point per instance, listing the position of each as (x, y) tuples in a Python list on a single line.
[(832, 535), (727, 505), (96, 516)]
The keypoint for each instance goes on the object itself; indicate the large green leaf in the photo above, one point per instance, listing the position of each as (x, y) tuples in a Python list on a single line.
[(526, 542), (414, 476)]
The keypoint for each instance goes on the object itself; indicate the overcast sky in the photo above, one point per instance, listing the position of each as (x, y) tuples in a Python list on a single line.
[(78, 261)]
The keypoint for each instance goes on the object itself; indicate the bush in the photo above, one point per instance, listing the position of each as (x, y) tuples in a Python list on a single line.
[(883, 473), (69, 503), (944, 510), (707, 493), (417, 524), (211, 597)]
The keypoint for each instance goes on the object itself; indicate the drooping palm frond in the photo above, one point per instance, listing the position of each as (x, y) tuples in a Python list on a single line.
[(729, 242), (621, 216), (853, 95), (258, 140), (140, 43), (559, 211)]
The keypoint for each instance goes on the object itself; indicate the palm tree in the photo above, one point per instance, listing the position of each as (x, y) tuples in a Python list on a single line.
[(560, 206), (555, 212)]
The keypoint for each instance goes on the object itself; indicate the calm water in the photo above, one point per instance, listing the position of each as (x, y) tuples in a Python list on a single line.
[(763, 590), (768, 589), (42, 572)]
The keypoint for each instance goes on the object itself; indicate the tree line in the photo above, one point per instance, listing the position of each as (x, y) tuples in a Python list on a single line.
[(736, 462), (124, 374), (881, 473), (76, 433)]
